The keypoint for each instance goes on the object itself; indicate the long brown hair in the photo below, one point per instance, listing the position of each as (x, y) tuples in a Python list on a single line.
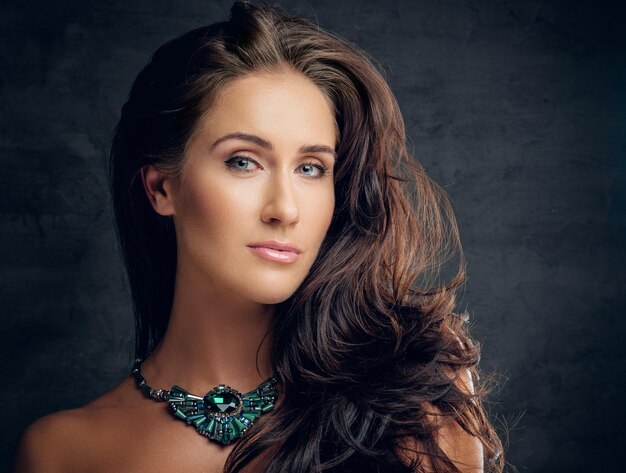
[(370, 337)]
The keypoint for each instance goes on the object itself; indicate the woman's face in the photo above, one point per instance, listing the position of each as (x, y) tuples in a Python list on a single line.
[(259, 173)]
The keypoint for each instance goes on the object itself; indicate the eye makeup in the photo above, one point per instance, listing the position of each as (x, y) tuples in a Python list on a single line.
[(235, 161)]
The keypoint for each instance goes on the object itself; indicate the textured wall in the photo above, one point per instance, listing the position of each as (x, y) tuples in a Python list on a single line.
[(516, 107)]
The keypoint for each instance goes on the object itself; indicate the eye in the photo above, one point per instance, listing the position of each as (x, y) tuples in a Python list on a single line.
[(241, 163), (313, 170)]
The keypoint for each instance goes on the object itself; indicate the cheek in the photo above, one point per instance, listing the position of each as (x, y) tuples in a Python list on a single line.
[(320, 209), (208, 208)]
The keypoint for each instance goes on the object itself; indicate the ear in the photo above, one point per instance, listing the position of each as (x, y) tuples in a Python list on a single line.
[(159, 188)]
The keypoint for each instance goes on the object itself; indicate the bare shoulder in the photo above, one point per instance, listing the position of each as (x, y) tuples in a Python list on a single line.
[(462, 448), (49, 443), (62, 441)]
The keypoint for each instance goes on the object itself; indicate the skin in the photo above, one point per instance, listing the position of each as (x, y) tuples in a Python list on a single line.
[(225, 294), (465, 451)]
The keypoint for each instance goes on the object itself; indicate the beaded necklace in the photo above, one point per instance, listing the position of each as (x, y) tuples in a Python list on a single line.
[(223, 414)]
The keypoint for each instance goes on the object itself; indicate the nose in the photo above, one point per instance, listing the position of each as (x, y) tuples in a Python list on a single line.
[(280, 204)]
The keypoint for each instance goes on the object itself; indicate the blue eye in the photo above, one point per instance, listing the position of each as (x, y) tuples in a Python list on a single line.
[(243, 164), (314, 170), (240, 163)]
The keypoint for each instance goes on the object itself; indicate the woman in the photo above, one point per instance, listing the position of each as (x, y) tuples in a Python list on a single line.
[(283, 250)]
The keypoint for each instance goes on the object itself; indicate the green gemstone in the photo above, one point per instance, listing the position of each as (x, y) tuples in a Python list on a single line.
[(180, 414), (238, 425), (222, 402), (197, 419), (235, 428), (211, 425), (251, 416), (227, 436), (267, 408)]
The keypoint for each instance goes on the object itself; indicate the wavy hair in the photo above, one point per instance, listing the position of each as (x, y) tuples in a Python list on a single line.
[(370, 339)]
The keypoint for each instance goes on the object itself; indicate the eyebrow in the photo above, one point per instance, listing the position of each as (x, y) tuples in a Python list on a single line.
[(257, 140)]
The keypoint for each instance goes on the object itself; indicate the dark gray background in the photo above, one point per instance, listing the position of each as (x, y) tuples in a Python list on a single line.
[(517, 108)]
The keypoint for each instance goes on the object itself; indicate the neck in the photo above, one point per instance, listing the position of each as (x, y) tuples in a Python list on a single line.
[(211, 339)]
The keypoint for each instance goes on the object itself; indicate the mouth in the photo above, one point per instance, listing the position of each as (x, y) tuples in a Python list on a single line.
[(276, 245), (276, 251)]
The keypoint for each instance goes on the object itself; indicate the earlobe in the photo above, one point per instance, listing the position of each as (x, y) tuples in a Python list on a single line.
[(158, 189)]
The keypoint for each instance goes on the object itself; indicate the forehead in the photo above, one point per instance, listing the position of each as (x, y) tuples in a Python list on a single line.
[(280, 105)]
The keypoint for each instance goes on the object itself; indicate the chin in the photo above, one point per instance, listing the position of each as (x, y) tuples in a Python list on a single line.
[(270, 294), (272, 288), (273, 298)]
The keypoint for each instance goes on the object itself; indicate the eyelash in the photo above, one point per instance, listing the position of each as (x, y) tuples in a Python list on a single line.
[(231, 164)]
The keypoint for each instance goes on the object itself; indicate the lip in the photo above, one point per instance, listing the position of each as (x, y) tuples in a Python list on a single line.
[(276, 245), (276, 251)]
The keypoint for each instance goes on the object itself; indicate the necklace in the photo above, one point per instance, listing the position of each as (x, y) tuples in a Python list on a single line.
[(223, 414)]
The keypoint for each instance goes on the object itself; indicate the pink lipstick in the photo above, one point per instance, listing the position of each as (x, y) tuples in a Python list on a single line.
[(276, 251)]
